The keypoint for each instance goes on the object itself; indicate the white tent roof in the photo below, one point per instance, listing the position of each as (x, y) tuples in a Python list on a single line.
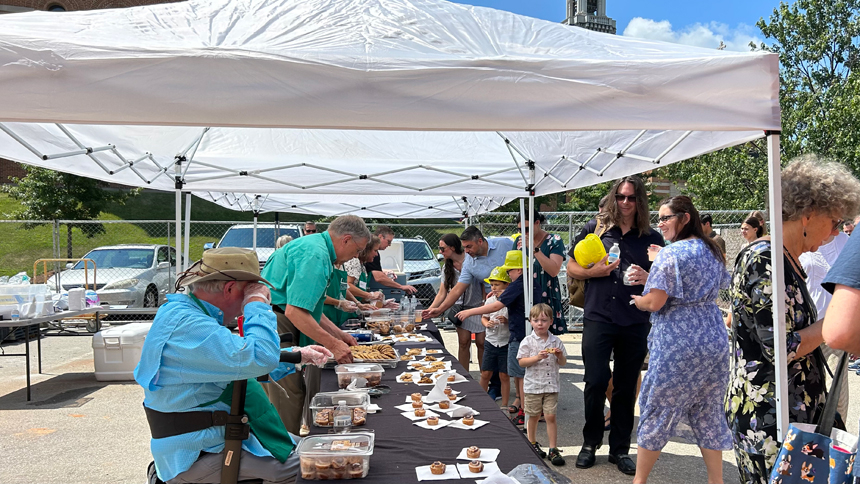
[(400, 98)]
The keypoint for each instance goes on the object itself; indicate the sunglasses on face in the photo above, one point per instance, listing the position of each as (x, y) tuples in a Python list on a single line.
[(442, 249), (620, 198), (310, 231)]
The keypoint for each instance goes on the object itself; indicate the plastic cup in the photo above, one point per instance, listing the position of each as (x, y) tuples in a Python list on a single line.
[(653, 250)]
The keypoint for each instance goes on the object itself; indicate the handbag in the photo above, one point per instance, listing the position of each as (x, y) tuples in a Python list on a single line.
[(817, 453), (576, 287)]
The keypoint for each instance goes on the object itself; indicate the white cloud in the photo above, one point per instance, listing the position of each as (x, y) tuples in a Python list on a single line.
[(701, 35)]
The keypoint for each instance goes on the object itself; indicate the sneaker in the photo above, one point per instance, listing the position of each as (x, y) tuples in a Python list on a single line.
[(538, 450), (555, 457), (493, 393)]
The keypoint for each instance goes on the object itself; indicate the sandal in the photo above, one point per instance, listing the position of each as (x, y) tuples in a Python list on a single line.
[(606, 420), (513, 409)]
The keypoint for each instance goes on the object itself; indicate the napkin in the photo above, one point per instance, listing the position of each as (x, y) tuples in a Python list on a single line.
[(458, 424), (442, 423), (435, 407), (487, 455), (490, 468), (406, 407), (498, 478), (437, 394), (357, 383), (461, 412), (373, 408), (427, 413), (424, 473)]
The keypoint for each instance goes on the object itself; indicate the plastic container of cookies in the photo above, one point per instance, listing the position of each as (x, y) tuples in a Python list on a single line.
[(335, 456), (372, 372), (323, 405)]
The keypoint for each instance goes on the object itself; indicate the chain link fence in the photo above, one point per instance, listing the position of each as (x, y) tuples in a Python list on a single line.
[(136, 259)]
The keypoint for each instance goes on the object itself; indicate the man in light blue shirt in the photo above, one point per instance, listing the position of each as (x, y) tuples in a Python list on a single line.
[(189, 357), (482, 256)]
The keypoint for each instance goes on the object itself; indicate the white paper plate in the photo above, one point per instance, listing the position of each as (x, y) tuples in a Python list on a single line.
[(407, 407), (465, 473), (435, 408), (487, 455), (458, 424)]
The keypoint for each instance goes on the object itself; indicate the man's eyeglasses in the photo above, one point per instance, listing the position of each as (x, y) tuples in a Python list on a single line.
[(620, 198), (310, 231), (666, 218)]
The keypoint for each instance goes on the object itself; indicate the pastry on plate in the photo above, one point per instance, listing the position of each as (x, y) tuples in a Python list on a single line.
[(432, 420), (417, 405), (416, 397), (444, 404), (437, 468), (425, 379), (468, 420), (406, 377), (448, 390), (473, 452), (452, 377), (452, 397), (420, 412), (476, 466), (429, 358)]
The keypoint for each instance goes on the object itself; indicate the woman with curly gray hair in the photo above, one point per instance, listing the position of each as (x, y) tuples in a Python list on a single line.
[(816, 196)]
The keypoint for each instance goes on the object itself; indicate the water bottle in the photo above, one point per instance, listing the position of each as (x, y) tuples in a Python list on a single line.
[(413, 303), (342, 416), (614, 254), (15, 314)]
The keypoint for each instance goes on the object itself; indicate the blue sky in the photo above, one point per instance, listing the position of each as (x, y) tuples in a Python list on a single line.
[(694, 22)]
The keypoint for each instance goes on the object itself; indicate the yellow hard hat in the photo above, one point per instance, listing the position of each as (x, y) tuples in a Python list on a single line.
[(498, 274), (589, 251), (513, 260)]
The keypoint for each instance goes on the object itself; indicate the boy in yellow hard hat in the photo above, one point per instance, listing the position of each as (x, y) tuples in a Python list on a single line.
[(496, 337), (513, 299)]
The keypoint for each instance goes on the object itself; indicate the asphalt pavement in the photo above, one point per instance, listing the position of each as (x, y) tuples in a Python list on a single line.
[(79, 430)]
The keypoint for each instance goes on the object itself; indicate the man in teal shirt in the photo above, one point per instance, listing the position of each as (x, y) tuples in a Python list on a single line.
[(300, 272)]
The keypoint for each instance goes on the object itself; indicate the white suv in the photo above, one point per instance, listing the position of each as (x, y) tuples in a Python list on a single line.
[(242, 235)]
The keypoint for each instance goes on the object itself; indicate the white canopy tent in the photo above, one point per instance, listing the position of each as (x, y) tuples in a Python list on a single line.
[(382, 97)]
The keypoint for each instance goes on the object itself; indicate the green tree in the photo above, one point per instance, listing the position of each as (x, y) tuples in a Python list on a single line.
[(50, 195), (817, 42)]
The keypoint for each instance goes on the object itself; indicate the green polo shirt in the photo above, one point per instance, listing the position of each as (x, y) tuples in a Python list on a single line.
[(300, 272)]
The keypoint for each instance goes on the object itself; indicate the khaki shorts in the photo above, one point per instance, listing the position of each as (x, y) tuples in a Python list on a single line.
[(535, 402)]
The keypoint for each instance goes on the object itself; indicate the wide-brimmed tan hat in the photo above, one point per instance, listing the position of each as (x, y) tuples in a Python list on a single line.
[(224, 264)]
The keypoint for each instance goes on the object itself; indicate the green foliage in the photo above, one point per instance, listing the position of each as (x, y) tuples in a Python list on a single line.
[(817, 42), (585, 199), (46, 194)]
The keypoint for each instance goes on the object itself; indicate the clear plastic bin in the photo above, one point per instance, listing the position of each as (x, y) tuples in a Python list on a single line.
[(323, 405), (335, 456), (372, 372)]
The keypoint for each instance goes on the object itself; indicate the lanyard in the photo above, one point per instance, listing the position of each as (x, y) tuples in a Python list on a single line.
[(200, 304)]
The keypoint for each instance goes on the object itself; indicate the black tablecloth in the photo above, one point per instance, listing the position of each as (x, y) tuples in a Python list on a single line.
[(401, 446)]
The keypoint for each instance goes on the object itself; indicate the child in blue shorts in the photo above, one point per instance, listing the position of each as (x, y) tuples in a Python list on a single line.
[(496, 337), (513, 299)]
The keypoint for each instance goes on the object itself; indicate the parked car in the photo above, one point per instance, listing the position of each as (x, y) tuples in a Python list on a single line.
[(133, 275), (242, 235), (421, 268)]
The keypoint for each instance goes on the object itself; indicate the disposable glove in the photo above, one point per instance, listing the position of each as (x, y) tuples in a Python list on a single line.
[(377, 295), (390, 304), (256, 289), (347, 306), (315, 355)]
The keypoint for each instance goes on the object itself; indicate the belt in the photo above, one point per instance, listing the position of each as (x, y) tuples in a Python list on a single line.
[(168, 424)]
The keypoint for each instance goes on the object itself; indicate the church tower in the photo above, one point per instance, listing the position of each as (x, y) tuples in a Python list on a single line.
[(589, 14)]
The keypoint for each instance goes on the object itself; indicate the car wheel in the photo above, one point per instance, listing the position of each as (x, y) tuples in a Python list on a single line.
[(150, 299)]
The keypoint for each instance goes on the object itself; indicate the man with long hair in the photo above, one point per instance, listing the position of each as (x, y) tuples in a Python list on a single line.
[(611, 323)]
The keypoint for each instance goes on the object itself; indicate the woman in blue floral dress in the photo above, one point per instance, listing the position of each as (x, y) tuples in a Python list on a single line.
[(549, 256), (689, 369)]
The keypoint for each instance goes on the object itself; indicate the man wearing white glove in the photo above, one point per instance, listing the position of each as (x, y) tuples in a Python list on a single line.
[(189, 358), (300, 273)]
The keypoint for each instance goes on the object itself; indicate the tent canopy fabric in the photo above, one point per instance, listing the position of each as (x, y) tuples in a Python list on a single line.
[(368, 64)]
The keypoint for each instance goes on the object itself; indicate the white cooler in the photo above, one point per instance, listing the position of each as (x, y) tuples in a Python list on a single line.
[(116, 351)]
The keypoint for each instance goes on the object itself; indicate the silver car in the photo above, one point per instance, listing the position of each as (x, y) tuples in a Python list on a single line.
[(132, 275)]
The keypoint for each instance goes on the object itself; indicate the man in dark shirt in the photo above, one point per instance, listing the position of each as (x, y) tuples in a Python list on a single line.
[(374, 268), (707, 222), (612, 323)]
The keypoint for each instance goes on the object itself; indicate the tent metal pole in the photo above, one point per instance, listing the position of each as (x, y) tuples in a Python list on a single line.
[(187, 245), (531, 259), (523, 245), (774, 174), (256, 214), (181, 265)]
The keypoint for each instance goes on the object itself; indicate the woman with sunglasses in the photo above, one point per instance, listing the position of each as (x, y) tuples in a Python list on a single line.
[(689, 368), (816, 196), (452, 250)]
